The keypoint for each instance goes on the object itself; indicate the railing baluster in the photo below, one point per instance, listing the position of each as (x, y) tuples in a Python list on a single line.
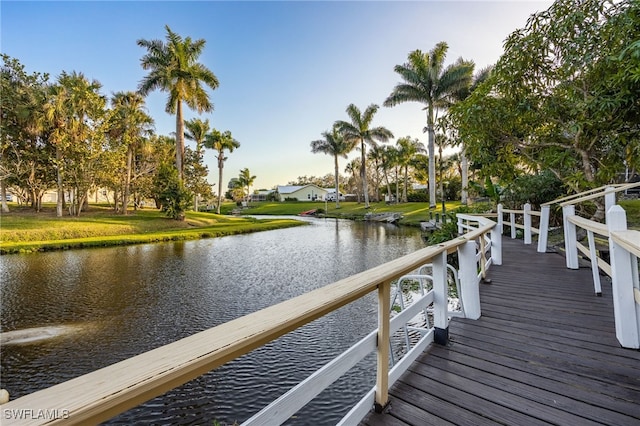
[(382, 373), (527, 223), (470, 292), (440, 298), (544, 229), (570, 246)]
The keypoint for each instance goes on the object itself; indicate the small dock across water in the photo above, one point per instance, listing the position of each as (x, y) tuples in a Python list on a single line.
[(544, 351)]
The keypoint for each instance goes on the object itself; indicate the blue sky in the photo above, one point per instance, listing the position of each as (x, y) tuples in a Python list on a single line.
[(287, 69)]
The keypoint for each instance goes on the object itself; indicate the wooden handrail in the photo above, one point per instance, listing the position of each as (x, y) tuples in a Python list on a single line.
[(629, 239), (590, 225), (102, 394), (617, 188), (580, 194)]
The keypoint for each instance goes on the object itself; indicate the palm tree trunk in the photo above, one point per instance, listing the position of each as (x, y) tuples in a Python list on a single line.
[(220, 167), (59, 182), (432, 158), (336, 174), (179, 141), (363, 174), (406, 183), (127, 182), (464, 175)]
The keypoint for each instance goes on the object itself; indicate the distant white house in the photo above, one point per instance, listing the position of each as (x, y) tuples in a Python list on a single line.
[(261, 195), (309, 192)]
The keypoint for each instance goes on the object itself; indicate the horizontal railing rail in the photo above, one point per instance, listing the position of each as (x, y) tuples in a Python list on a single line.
[(526, 226), (102, 394)]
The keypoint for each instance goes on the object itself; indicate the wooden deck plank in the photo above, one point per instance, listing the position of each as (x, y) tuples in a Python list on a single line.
[(543, 352)]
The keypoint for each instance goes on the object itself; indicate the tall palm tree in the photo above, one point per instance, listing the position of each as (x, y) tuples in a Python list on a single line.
[(246, 180), (359, 130), (353, 168), (220, 141), (174, 68), (336, 145), (426, 80), (130, 124)]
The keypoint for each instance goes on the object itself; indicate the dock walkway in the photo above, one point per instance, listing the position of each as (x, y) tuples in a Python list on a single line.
[(543, 352)]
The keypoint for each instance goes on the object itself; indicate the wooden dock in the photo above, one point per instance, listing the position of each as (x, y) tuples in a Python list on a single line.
[(543, 352)]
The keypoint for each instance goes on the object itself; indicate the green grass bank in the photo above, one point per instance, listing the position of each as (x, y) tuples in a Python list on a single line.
[(24, 231)]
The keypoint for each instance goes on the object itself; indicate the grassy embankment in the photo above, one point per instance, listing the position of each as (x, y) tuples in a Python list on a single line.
[(22, 230), (413, 213)]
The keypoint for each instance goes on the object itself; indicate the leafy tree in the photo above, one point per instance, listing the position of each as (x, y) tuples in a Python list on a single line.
[(25, 151), (359, 130), (174, 68), (220, 142), (173, 196), (426, 80), (563, 97), (336, 145)]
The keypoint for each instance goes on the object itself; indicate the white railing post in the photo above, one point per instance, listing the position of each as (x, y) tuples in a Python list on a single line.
[(609, 199), (384, 325), (460, 228), (469, 280), (624, 306), (440, 299), (527, 223), (496, 246), (570, 243), (500, 219), (512, 222), (544, 229)]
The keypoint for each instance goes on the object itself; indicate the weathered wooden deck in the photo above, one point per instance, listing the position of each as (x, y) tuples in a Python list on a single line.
[(543, 352)]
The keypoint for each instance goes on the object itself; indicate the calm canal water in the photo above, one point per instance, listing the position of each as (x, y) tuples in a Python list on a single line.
[(120, 302)]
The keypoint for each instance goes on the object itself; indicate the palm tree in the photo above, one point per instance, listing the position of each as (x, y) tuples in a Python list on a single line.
[(353, 168), (220, 141), (426, 80), (407, 149), (129, 123), (246, 180), (336, 145), (196, 130), (174, 68), (360, 130)]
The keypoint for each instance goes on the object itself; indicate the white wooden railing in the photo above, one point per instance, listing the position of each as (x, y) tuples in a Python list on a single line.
[(526, 226), (102, 394), (624, 251)]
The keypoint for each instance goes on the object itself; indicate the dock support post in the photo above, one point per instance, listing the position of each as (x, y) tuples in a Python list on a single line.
[(570, 237), (527, 223), (625, 310), (440, 299), (544, 229), (469, 280), (384, 325)]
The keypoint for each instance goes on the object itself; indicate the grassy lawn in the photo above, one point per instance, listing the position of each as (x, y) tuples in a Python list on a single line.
[(23, 230), (413, 213)]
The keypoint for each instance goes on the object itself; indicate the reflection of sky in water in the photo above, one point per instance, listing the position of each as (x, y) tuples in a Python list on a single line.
[(141, 297)]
